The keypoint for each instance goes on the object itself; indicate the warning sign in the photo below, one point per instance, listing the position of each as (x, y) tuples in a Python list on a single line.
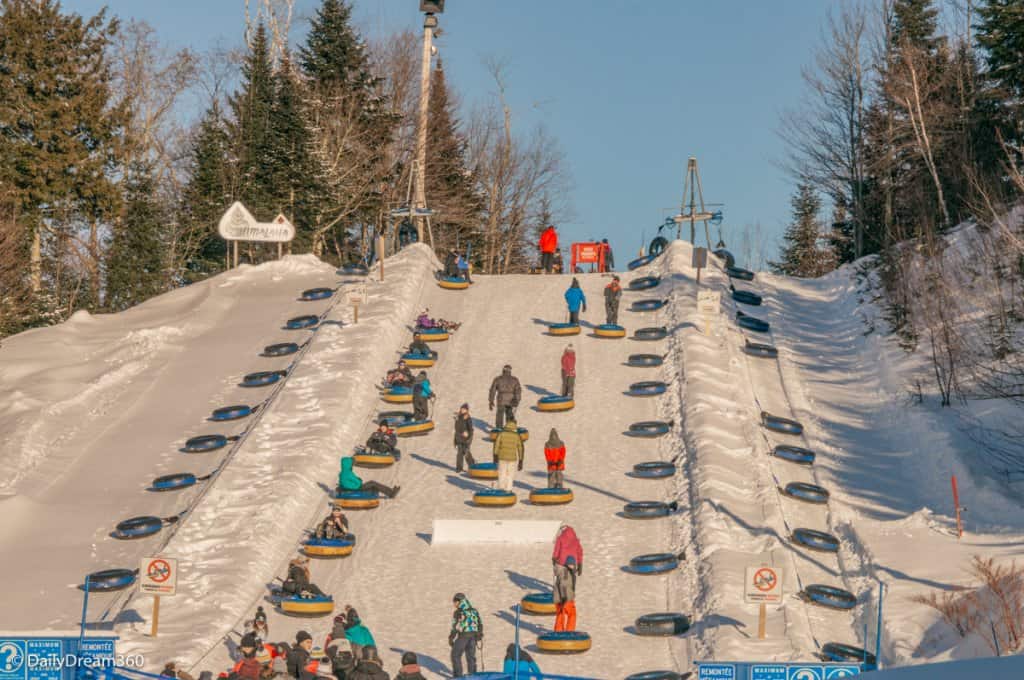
[(158, 576), (763, 585)]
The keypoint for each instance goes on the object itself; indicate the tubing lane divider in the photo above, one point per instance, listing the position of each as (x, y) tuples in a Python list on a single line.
[(119, 606)]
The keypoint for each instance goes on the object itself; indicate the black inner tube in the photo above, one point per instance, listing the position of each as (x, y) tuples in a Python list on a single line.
[(654, 469), (839, 650), (829, 596), (650, 333), (645, 360), (816, 540), (809, 493), (280, 349), (794, 454)]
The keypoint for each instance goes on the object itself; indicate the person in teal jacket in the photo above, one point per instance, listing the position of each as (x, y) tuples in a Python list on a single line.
[(575, 299), (356, 633), (349, 481), (528, 668)]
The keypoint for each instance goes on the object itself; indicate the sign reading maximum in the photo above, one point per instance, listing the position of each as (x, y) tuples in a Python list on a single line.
[(158, 576), (763, 585)]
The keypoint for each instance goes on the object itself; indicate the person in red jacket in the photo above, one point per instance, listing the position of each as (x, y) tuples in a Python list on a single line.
[(569, 372), (554, 454), (567, 560), (548, 246)]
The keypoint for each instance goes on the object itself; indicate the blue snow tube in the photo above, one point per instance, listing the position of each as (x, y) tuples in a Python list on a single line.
[(261, 378), (138, 527), (760, 350), (305, 321), (654, 563), (179, 480), (662, 624), (640, 262), (555, 402), (329, 547), (651, 333), (724, 254), (280, 349), (647, 305), (317, 294), (109, 580), (843, 653), (394, 418), (781, 425), (563, 642), (647, 509), (808, 493), (645, 283), (816, 540), (752, 323), (658, 245), (654, 470), (794, 454), (739, 273), (828, 596), (649, 428), (644, 360), (746, 297), (231, 412), (656, 675), (295, 605), (206, 442), (647, 388)]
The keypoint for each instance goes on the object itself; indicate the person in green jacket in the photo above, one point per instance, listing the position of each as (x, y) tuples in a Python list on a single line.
[(349, 481), (356, 633), (508, 453)]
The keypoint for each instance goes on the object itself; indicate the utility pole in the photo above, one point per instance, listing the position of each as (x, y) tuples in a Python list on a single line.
[(429, 8)]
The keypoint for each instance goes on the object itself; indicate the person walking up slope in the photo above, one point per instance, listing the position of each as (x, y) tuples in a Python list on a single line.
[(548, 245), (567, 560), (508, 452), (612, 295), (463, 438), (467, 630), (554, 454), (506, 390), (569, 372), (575, 299), (421, 394)]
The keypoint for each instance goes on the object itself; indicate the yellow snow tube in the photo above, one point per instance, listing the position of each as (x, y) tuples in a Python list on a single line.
[(414, 427), (396, 398), (564, 329), (491, 435), (483, 471), (551, 496), (425, 362), (357, 503), (555, 404), (431, 337), (318, 548), (311, 607), (494, 498), (450, 284), (610, 331), (563, 643), (373, 459), (538, 603)]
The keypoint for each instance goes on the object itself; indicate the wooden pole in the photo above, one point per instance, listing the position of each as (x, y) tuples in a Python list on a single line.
[(956, 504), (355, 313), (280, 248), (762, 620), (235, 245), (156, 615)]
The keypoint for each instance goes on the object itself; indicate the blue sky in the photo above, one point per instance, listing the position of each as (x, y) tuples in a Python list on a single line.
[(630, 90)]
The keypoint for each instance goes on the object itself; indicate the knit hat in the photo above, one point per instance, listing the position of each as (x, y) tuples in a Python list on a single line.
[(409, 658), (464, 406), (248, 640), (459, 597), (369, 653), (302, 636)]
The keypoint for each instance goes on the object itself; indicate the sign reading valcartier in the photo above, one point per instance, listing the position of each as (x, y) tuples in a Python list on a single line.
[(238, 224)]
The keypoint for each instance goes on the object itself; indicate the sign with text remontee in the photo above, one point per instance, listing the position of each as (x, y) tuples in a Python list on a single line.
[(746, 670), (763, 585), (238, 224), (158, 576)]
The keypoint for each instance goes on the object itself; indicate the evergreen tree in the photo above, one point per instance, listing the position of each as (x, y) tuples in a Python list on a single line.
[(1000, 33), (915, 22), (334, 59), (206, 196), (136, 260), (802, 255), (253, 133)]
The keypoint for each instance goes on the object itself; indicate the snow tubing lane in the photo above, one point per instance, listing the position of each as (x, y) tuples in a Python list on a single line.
[(752, 323), (373, 459), (609, 330), (483, 471), (647, 305), (827, 596), (357, 500), (739, 273), (261, 378), (431, 334), (538, 603), (175, 481), (654, 563), (414, 428), (664, 624), (524, 434), (494, 498), (640, 262), (551, 496), (138, 527), (646, 510), (644, 360), (109, 580), (837, 651), (394, 417), (330, 547), (794, 454), (816, 540), (650, 333), (645, 283), (397, 395), (419, 360), (311, 606), (657, 675), (453, 283), (654, 470), (564, 642), (305, 321), (231, 413), (746, 297), (780, 424), (760, 350), (724, 254), (649, 428), (317, 294), (206, 442), (808, 493), (555, 403), (280, 349), (647, 388), (564, 329)]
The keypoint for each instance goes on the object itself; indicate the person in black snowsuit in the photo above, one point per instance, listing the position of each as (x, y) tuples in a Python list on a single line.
[(417, 346), (463, 438), (421, 394), (467, 630), (612, 295), (451, 263), (298, 656), (342, 661), (369, 667), (506, 392), (298, 581), (334, 526), (382, 440)]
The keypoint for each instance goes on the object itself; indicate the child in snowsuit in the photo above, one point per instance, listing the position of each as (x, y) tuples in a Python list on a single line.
[(382, 440), (467, 629), (567, 560), (612, 294), (421, 394), (334, 526), (349, 481), (528, 668), (508, 453), (569, 372), (463, 438), (358, 635), (554, 454), (575, 299)]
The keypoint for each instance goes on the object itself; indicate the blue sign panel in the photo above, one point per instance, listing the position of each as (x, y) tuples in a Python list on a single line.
[(54, 658), (711, 671), (838, 672), (805, 672), (768, 671)]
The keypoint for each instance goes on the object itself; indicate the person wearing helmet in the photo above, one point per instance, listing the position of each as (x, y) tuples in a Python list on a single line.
[(612, 295), (463, 438), (467, 630), (506, 393), (567, 561)]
